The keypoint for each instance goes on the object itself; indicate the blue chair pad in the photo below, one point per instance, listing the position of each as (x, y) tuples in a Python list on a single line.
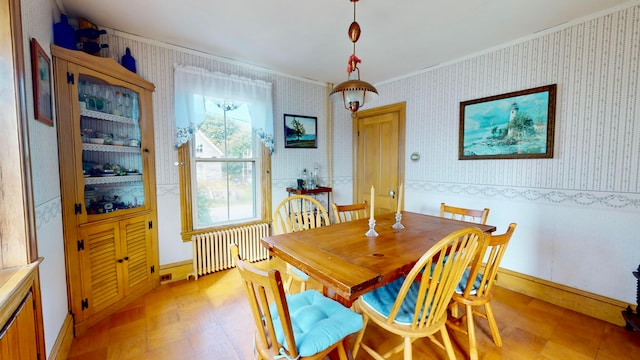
[(463, 283), (317, 321), (381, 300)]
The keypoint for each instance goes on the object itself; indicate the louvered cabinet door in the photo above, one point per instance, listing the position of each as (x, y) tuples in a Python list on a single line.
[(102, 270), (136, 247)]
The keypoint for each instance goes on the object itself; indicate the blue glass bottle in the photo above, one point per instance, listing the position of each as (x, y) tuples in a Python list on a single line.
[(63, 33), (128, 61)]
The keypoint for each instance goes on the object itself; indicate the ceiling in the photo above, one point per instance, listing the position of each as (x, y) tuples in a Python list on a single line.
[(309, 38)]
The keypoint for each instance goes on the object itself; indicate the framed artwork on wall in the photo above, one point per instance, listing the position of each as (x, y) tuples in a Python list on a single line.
[(300, 132), (515, 125), (41, 74)]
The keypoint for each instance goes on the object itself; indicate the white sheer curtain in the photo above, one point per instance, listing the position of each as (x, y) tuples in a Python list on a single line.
[(193, 84)]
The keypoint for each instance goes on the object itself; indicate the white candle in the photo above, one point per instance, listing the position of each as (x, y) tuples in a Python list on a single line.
[(399, 199), (371, 204)]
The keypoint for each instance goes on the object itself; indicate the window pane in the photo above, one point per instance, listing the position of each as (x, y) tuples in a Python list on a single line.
[(225, 192), (228, 131), (239, 138)]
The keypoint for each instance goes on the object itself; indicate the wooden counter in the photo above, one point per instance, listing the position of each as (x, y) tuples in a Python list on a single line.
[(19, 322)]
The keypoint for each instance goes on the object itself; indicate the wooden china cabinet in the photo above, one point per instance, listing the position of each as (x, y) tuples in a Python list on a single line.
[(107, 181)]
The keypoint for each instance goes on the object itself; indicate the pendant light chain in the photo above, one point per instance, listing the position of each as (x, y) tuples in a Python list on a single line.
[(353, 93)]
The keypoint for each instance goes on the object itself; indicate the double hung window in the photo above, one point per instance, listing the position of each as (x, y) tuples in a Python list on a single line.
[(224, 175), (224, 139)]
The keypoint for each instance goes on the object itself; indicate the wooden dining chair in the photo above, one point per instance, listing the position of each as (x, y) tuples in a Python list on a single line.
[(344, 213), (415, 306), (298, 213), (476, 289), (303, 326), (463, 214)]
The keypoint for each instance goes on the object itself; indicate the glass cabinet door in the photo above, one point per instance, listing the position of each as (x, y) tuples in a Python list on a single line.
[(112, 160)]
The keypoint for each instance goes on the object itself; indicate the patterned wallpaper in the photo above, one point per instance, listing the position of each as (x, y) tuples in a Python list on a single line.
[(291, 95), (596, 152), (594, 64), (154, 62)]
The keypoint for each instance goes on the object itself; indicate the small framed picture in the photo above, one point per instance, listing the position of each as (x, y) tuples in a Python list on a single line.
[(300, 131), (41, 73), (516, 125)]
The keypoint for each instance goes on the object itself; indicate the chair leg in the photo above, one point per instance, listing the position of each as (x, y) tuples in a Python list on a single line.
[(454, 309), (471, 331), (495, 332), (356, 344), (407, 348), (303, 286), (446, 341), (342, 353), (287, 284)]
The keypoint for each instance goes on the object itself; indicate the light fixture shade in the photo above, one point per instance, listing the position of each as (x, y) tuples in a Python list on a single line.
[(353, 93)]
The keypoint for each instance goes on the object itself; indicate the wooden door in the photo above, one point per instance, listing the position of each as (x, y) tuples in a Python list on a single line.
[(101, 270), (18, 339), (136, 248), (379, 155)]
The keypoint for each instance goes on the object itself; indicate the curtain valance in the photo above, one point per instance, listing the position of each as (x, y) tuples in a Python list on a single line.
[(194, 85)]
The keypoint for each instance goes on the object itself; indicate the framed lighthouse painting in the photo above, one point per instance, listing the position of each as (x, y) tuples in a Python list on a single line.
[(515, 125)]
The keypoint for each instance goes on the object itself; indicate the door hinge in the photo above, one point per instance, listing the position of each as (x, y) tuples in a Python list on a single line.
[(153, 269), (78, 209), (85, 304), (70, 78), (80, 244), (150, 225)]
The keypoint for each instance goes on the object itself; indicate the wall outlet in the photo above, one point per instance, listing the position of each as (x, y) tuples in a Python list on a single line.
[(165, 277)]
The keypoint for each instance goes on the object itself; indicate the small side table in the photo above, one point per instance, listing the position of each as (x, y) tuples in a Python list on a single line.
[(317, 190)]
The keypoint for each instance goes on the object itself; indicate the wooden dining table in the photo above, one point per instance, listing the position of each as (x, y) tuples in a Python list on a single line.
[(348, 263)]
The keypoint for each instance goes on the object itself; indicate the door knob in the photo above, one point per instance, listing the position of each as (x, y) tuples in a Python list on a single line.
[(392, 194)]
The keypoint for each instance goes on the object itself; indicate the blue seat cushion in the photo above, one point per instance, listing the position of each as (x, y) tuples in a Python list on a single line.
[(317, 321), (381, 300), (299, 273), (463, 283)]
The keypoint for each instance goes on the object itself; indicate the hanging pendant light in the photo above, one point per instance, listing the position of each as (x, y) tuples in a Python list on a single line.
[(353, 93)]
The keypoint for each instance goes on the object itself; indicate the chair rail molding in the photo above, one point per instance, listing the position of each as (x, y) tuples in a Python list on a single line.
[(617, 200)]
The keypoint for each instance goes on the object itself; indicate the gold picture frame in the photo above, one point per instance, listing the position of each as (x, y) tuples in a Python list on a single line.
[(515, 125)]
